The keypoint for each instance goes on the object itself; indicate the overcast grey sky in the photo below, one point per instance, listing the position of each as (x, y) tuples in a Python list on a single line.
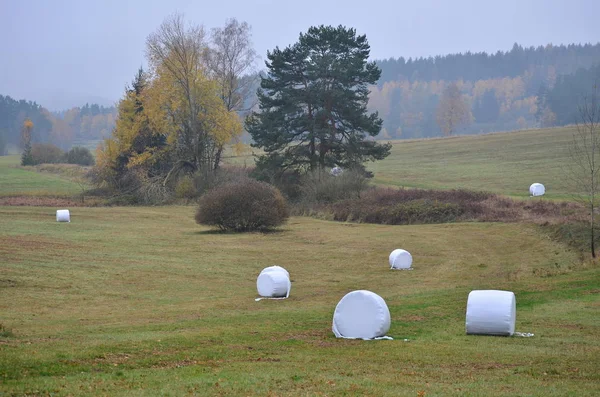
[(63, 53)]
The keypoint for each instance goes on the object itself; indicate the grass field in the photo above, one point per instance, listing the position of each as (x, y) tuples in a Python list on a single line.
[(506, 163), (142, 301), (16, 181)]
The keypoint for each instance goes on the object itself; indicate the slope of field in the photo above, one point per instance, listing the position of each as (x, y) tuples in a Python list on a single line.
[(16, 181), (142, 301), (506, 163)]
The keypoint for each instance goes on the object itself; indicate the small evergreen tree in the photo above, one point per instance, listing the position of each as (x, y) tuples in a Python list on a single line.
[(26, 156)]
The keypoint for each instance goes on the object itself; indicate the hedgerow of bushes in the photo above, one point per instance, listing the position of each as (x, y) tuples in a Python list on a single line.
[(46, 153), (419, 206)]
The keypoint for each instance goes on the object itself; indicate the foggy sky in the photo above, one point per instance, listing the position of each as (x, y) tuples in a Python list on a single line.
[(64, 53)]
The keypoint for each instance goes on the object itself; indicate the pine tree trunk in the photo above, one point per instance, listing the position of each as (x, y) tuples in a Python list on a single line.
[(218, 158)]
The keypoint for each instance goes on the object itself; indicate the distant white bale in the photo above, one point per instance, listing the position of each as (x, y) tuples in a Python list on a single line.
[(63, 216), (537, 189), (491, 312), (400, 259), (274, 283), (361, 315), (275, 269), (335, 171)]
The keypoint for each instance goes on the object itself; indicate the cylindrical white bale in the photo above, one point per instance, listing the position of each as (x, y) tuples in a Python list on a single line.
[(63, 216), (491, 312), (361, 314), (273, 284), (275, 269), (537, 189), (400, 259), (335, 171)]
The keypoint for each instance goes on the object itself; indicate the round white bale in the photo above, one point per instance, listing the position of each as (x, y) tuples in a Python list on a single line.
[(400, 259), (63, 216), (335, 171), (273, 284), (491, 312), (537, 189), (361, 314), (275, 269)]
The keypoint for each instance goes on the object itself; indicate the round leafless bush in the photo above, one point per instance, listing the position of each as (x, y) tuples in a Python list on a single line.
[(241, 206)]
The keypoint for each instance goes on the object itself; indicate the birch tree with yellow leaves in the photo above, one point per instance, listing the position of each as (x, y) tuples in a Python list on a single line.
[(185, 102)]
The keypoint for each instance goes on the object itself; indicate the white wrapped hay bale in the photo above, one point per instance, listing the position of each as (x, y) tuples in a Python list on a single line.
[(537, 189), (491, 312), (400, 259), (273, 282), (361, 315), (63, 216), (336, 171)]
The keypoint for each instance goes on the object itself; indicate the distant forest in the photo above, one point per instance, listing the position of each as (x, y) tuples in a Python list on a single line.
[(517, 89), (89, 122)]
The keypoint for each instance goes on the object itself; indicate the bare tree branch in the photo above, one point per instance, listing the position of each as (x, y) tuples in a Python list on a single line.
[(584, 170)]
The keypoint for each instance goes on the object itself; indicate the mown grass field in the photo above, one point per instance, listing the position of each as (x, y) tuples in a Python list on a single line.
[(142, 301), (15, 181), (506, 163)]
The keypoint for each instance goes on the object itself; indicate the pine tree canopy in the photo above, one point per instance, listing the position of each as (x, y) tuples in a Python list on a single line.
[(313, 103)]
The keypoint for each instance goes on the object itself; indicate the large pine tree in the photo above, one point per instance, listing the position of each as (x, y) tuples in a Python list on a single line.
[(313, 104)]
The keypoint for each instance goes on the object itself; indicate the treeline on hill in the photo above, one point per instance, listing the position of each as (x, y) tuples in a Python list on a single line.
[(498, 92), (90, 122)]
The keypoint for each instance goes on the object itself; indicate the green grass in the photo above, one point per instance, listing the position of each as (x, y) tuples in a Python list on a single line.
[(506, 163), (142, 301), (15, 181)]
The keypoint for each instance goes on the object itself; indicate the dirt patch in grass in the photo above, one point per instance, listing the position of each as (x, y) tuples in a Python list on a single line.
[(48, 201), (30, 243)]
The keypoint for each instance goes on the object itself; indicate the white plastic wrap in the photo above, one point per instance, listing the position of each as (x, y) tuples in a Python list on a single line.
[(275, 269), (491, 312), (273, 284), (336, 171), (361, 315), (400, 259), (537, 189), (63, 216)]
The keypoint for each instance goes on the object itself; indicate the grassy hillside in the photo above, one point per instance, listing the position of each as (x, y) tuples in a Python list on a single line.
[(17, 181), (141, 301), (505, 163)]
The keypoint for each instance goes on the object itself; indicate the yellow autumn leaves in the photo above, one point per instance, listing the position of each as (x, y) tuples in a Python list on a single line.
[(172, 114)]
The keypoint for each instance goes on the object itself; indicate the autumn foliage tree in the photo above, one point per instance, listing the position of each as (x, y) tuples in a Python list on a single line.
[(231, 59), (187, 103), (172, 121), (453, 111)]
